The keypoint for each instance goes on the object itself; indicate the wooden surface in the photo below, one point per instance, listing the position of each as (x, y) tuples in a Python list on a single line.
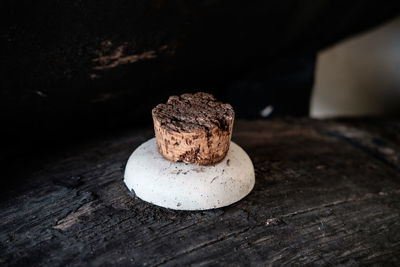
[(327, 192)]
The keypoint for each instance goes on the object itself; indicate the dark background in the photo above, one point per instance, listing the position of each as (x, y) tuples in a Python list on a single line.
[(74, 69)]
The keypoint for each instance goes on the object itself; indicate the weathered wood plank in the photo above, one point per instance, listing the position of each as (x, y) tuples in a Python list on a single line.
[(322, 196)]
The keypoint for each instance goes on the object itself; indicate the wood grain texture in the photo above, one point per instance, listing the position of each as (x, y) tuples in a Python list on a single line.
[(324, 194)]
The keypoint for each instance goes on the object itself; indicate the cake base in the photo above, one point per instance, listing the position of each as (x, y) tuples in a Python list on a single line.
[(183, 186)]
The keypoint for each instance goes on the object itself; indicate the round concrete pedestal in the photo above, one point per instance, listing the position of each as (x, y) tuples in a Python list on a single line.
[(183, 186)]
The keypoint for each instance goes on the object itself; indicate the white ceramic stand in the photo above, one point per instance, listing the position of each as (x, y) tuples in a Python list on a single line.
[(183, 186)]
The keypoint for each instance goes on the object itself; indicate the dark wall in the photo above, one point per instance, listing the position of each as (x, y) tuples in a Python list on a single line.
[(73, 67)]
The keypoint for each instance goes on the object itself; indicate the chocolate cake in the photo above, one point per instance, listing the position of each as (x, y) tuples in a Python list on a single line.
[(193, 128)]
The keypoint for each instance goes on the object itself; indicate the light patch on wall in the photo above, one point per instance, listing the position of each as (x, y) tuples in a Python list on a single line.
[(359, 76)]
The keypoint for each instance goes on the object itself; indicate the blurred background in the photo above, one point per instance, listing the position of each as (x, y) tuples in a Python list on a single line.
[(71, 70), (359, 76)]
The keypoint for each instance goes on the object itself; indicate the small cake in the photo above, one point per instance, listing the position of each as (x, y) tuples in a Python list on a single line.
[(193, 128)]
